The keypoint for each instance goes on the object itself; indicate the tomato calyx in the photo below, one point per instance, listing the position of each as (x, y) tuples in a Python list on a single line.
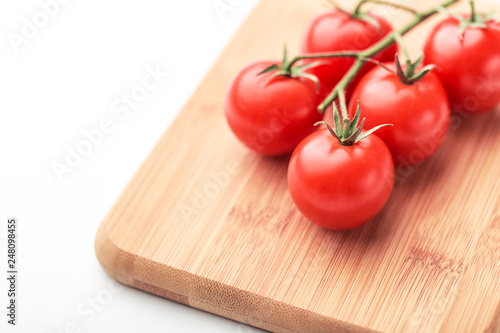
[(475, 20), (357, 14), (348, 132), (287, 69), (410, 75)]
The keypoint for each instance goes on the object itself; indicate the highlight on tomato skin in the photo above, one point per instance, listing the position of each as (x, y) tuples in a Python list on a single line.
[(419, 113), (334, 31), (271, 114), (340, 187), (468, 64)]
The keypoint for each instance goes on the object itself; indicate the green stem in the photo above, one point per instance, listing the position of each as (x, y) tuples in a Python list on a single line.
[(378, 63), (352, 54), (341, 87), (401, 44), (399, 41), (368, 53), (335, 5), (472, 11), (357, 10), (343, 106)]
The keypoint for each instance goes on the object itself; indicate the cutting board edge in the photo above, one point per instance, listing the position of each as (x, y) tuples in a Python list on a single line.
[(209, 295)]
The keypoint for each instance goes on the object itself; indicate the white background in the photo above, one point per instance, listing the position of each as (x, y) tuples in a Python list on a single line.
[(61, 80)]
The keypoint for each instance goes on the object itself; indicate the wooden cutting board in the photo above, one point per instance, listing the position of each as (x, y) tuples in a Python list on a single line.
[(207, 223)]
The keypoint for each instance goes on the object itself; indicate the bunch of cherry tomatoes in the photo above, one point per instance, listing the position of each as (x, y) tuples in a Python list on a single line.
[(341, 174)]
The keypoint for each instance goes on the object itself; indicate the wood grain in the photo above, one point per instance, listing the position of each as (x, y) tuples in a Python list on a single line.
[(206, 223)]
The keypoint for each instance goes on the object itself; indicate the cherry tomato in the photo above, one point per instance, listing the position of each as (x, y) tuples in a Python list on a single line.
[(419, 113), (271, 115), (335, 31), (340, 187), (469, 67)]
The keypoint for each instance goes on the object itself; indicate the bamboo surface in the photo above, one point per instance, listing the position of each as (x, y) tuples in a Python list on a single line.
[(207, 223)]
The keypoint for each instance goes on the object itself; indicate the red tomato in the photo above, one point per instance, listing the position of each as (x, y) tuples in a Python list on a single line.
[(470, 67), (335, 31), (340, 187), (271, 115), (419, 113)]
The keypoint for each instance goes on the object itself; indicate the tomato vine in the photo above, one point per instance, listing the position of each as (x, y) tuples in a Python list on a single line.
[(362, 56)]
